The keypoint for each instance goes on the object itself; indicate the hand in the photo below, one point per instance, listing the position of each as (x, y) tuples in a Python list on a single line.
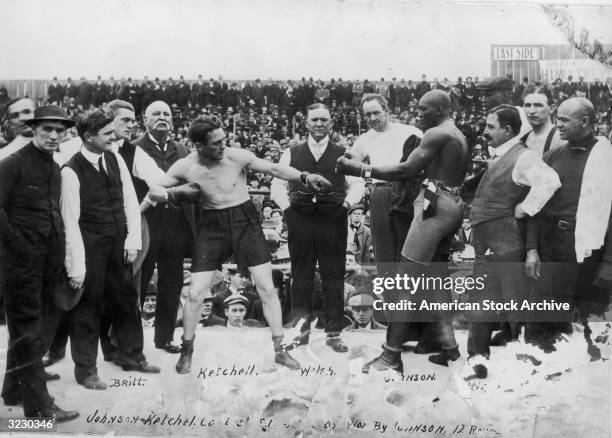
[(189, 193), (129, 255), (603, 278), (318, 183), (532, 264), (348, 166), (519, 213), (158, 194), (76, 282)]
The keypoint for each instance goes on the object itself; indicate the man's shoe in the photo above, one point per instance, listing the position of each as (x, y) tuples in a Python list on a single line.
[(49, 359), (183, 366), (337, 344), (499, 340), (59, 414), (51, 376), (446, 355), (383, 363), (284, 358), (169, 347), (144, 367), (93, 382)]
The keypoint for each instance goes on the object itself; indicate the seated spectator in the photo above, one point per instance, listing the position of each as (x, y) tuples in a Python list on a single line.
[(354, 275), (360, 305), (235, 285), (235, 312), (207, 319)]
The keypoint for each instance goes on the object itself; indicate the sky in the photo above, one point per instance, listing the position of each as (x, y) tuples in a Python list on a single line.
[(237, 39)]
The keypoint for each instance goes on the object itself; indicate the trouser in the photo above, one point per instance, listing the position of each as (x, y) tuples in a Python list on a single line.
[(31, 277), (426, 242), (108, 285), (171, 240), (563, 279), (388, 231), (318, 237), (500, 256)]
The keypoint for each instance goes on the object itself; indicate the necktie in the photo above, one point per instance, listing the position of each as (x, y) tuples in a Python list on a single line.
[(101, 167)]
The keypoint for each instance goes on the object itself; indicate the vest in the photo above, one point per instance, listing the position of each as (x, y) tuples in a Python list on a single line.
[(128, 152), (102, 210), (497, 195), (304, 198)]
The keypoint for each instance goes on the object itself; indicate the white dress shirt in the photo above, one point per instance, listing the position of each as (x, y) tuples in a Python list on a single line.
[(530, 171), (144, 166), (279, 189), (384, 148), (70, 207)]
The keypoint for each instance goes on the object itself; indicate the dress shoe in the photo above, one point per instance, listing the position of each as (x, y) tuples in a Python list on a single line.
[(499, 340), (384, 363), (142, 366), (93, 382), (337, 344), (58, 414), (169, 347), (446, 355), (49, 359), (51, 376)]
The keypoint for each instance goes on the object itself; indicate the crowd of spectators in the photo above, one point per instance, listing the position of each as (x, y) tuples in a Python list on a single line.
[(266, 117)]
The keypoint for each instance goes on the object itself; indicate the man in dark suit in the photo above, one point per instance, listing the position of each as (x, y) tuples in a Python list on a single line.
[(171, 228), (99, 92), (32, 242), (85, 94), (317, 224), (55, 93)]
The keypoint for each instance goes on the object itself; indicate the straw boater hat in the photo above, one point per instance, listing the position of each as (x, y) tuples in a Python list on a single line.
[(50, 113)]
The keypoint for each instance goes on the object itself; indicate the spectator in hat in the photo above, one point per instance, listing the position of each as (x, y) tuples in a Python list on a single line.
[(207, 318), (359, 236), (55, 93), (32, 242), (236, 310), (497, 90), (361, 307), (236, 284)]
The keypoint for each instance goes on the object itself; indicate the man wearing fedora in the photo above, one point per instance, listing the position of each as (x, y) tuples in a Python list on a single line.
[(32, 240)]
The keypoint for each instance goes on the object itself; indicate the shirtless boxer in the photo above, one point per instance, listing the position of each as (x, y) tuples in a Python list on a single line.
[(443, 156), (229, 224)]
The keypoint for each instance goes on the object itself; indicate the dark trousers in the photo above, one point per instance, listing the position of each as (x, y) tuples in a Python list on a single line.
[(388, 231), (108, 286), (318, 237), (30, 277), (563, 279), (171, 241), (500, 256)]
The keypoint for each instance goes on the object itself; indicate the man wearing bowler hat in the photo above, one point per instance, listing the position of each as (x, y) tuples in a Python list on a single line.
[(32, 240), (497, 90)]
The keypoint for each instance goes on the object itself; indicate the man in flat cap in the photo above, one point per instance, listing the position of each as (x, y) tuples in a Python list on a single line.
[(361, 306), (497, 90), (32, 241), (235, 312)]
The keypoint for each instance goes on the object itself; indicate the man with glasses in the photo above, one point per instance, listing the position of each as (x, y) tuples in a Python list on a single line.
[(361, 306)]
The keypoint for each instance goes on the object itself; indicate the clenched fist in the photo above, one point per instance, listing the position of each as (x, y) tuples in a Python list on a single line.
[(318, 183), (348, 166)]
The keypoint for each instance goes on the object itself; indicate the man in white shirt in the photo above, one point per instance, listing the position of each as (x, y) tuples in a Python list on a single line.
[(387, 143), (102, 222), (516, 184), (317, 224), (538, 105)]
